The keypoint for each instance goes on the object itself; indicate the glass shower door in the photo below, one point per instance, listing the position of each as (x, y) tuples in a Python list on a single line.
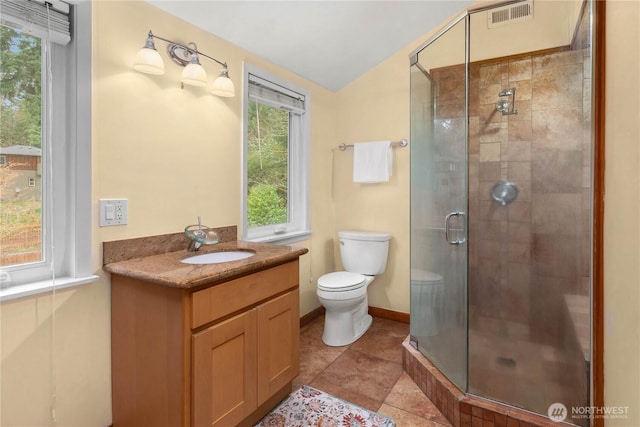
[(439, 202)]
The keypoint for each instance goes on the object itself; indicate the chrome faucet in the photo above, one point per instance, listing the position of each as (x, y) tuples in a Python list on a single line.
[(193, 246), (199, 234)]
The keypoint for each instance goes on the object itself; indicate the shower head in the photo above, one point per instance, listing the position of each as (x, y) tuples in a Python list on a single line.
[(507, 92)]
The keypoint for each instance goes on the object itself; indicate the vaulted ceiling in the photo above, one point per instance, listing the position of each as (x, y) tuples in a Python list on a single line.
[(328, 42)]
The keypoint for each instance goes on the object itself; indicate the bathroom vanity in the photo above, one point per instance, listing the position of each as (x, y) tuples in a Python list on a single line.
[(202, 345)]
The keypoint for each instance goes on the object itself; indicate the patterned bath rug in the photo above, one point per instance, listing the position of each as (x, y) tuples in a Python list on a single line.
[(307, 407)]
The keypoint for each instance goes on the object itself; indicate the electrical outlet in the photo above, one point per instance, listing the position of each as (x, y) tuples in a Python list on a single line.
[(113, 212)]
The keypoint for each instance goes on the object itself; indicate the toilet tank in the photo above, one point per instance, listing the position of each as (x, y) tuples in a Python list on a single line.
[(364, 252)]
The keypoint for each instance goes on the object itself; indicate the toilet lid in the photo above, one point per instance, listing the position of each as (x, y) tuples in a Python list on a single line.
[(340, 281)]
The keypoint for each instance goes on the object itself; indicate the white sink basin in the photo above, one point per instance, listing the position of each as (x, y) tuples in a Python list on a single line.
[(217, 257)]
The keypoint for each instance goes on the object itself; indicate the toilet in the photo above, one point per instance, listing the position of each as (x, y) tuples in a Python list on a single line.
[(344, 293), (426, 303)]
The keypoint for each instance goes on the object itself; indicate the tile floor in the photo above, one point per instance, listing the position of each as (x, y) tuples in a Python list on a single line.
[(367, 373)]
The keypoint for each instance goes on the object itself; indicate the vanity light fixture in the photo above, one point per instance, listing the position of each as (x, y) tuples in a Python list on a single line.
[(149, 61)]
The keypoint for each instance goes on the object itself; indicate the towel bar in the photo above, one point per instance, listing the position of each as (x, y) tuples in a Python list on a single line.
[(401, 143)]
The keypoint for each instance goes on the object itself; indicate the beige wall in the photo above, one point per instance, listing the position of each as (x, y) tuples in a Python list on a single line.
[(622, 211), (70, 360), (372, 108), (175, 154), (553, 25)]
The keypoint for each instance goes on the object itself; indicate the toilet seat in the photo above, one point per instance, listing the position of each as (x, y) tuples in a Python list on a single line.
[(425, 277), (341, 281)]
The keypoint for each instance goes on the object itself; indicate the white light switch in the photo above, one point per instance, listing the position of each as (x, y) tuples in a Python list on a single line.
[(113, 212), (110, 212)]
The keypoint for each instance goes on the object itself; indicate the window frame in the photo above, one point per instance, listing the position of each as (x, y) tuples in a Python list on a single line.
[(298, 227), (70, 223)]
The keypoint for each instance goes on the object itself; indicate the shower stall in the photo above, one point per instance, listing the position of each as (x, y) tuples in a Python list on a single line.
[(501, 204)]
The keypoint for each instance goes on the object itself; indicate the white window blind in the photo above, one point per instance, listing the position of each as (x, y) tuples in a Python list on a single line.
[(275, 95), (33, 17)]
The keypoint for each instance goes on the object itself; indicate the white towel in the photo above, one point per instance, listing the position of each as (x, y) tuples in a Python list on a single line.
[(372, 161)]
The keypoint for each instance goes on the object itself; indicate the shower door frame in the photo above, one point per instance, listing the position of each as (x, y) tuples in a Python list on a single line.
[(598, 32), (598, 29), (458, 212)]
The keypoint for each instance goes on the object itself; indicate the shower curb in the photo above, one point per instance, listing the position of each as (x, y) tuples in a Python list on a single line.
[(460, 409)]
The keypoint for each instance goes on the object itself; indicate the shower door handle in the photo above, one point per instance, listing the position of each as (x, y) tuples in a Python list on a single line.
[(447, 226)]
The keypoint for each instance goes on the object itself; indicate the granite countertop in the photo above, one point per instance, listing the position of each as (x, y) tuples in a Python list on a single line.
[(156, 259)]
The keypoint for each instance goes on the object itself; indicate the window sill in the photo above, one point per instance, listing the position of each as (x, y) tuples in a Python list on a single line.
[(20, 291), (283, 239)]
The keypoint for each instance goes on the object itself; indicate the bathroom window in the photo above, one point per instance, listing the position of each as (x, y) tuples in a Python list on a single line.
[(45, 139), (21, 131), (276, 152)]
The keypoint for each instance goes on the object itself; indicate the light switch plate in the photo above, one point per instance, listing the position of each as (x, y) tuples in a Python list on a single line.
[(113, 212)]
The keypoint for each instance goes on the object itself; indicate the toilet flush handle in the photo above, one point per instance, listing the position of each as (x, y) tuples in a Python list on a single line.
[(447, 226)]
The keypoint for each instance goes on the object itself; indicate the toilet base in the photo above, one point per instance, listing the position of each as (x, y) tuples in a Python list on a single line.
[(346, 316), (343, 329)]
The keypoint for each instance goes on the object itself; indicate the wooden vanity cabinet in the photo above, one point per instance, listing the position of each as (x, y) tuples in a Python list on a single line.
[(238, 364), (230, 360)]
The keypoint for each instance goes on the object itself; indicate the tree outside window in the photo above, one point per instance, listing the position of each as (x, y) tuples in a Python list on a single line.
[(268, 157)]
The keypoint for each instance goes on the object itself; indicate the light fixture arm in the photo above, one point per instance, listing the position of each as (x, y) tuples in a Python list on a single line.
[(224, 64), (191, 50)]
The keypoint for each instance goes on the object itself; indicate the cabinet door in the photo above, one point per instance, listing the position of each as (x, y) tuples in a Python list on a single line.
[(278, 344), (224, 372)]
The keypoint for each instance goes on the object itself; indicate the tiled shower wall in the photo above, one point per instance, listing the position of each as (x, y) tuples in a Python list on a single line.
[(529, 261), (526, 256)]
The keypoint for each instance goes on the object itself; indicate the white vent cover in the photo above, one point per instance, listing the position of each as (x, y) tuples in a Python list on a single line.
[(513, 13)]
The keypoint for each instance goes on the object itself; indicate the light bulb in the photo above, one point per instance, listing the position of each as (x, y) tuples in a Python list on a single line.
[(148, 60), (223, 86), (194, 74)]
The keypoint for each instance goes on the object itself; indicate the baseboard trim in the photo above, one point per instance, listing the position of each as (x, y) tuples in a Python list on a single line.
[(383, 313), (311, 316)]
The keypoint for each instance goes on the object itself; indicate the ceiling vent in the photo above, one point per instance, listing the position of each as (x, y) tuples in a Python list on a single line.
[(521, 11)]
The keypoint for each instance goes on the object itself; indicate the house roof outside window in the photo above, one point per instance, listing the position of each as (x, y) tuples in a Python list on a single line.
[(21, 150)]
